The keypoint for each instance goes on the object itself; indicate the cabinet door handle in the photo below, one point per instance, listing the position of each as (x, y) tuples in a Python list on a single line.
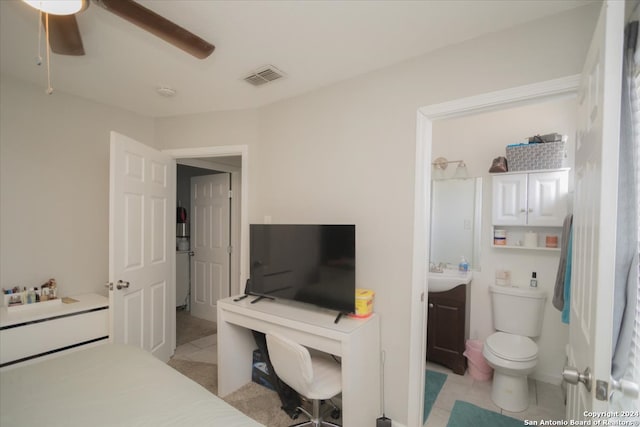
[(430, 305), (522, 210)]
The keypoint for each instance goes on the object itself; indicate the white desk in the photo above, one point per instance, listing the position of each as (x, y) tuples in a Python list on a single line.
[(356, 341)]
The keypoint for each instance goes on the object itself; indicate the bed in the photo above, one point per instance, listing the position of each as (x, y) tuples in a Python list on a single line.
[(109, 385)]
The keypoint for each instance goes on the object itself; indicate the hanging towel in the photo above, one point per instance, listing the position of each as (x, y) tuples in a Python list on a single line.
[(558, 290), (567, 281)]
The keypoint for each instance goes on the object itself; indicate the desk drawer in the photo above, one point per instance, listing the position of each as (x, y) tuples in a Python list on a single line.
[(34, 338)]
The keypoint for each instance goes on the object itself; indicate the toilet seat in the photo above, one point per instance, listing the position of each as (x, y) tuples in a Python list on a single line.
[(512, 347)]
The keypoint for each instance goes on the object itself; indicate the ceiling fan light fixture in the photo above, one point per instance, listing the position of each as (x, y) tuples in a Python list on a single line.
[(58, 7)]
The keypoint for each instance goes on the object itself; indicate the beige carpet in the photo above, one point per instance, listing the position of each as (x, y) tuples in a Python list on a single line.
[(258, 402), (204, 374), (261, 404)]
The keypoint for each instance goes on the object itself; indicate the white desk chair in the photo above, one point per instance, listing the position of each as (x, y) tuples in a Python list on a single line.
[(315, 378)]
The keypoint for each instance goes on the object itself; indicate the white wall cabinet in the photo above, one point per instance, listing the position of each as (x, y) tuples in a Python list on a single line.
[(534, 199), (525, 202)]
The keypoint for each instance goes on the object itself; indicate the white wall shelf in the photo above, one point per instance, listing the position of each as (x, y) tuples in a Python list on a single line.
[(516, 237), (538, 248)]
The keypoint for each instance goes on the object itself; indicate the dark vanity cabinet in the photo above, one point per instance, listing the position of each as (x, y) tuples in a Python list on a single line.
[(448, 327)]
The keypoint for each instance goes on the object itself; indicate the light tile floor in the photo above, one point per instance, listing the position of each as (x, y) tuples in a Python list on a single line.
[(203, 347), (546, 400), (201, 350)]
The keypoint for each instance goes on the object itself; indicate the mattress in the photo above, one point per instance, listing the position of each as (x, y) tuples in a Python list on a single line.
[(109, 385)]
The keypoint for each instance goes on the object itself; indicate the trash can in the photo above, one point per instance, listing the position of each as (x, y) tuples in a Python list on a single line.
[(479, 369)]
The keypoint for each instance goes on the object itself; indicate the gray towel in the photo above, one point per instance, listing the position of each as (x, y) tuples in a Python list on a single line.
[(558, 290)]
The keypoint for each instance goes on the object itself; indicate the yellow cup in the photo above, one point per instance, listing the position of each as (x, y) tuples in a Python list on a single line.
[(364, 302)]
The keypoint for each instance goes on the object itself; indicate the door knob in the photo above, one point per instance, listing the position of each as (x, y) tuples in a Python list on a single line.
[(573, 376), (122, 284), (628, 388)]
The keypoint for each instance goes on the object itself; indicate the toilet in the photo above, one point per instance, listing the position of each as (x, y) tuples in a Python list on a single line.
[(517, 316)]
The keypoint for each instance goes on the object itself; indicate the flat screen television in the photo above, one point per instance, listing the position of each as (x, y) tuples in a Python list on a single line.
[(314, 264)]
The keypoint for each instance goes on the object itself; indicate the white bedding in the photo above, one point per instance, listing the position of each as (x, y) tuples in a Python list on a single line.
[(109, 385)]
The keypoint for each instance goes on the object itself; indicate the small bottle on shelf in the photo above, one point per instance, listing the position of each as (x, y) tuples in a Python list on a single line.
[(534, 280)]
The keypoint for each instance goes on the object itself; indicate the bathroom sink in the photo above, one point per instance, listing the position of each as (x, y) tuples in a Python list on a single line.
[(448, 279)]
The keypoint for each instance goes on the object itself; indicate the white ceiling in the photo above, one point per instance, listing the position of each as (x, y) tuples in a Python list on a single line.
[(316, 43)]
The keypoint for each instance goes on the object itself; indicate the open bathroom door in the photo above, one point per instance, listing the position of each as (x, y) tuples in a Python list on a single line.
[(142, 216), (594, 222)]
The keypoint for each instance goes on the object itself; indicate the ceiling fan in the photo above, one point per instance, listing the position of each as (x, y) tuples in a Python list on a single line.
[(65, 38)]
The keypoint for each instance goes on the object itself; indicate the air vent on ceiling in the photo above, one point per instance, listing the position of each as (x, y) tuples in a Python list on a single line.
[(264, 75)]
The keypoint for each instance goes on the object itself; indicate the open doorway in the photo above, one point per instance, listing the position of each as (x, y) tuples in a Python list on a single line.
[(462, 313), (233, 160), (207, 249), (424, 143)]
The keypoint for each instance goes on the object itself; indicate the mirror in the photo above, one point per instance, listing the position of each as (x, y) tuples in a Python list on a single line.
[(456, 210)]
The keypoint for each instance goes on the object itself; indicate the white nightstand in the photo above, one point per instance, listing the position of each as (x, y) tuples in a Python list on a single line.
[(37, 332)]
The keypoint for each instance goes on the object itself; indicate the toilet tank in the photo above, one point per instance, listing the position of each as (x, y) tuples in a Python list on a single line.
[(517, 310)]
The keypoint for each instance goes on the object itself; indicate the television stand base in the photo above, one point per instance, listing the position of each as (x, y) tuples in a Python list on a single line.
[(261, 297), (339, 316)]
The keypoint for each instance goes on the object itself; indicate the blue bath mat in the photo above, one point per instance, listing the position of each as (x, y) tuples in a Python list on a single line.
[(465, 414), (433, 383)]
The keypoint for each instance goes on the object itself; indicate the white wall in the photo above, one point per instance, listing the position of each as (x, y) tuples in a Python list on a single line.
[(54, 186), (346, 153), (478, 139)]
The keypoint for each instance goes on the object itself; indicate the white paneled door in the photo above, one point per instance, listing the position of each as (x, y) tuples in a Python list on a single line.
[(142, 246), (210, 243), (594, 223)]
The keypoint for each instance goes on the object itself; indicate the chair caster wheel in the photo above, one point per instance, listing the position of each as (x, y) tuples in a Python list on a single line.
[(292, 413)]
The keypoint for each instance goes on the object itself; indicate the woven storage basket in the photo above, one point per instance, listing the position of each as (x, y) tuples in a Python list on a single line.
[(548, 155)]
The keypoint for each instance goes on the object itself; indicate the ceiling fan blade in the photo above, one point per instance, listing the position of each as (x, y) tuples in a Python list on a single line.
[(64, 35), (159, 26)]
